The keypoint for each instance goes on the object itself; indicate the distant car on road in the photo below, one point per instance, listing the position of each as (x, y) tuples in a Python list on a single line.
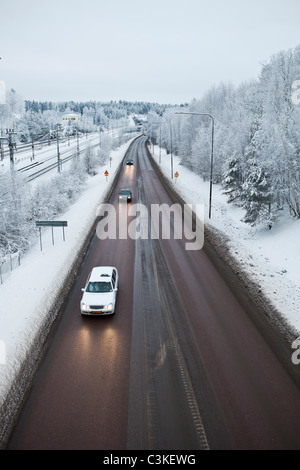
[(100, 292), (129, 161), (125, 195)]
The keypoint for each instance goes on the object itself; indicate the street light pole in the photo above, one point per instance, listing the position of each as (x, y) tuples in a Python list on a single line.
[(159, 144), (212, 152), (171, 143), (171, 152)]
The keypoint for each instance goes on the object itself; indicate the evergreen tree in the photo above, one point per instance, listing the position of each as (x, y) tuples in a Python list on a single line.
[(233, 181), (257, 198)]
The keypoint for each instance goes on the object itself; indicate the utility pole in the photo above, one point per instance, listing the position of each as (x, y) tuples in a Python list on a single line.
[(11, 144), (77, 137), (2, 150), (32, 146), (58, 154), (1, 146)]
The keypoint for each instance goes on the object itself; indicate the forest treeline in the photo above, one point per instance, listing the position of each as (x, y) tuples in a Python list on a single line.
[(256, 139)]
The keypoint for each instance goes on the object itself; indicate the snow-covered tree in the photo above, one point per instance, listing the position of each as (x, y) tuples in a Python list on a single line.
[(14, 205), (256, 123), (233, 181), (258, 198), (90, 161)]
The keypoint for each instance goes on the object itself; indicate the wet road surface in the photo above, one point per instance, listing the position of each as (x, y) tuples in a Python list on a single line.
[(181, 365)]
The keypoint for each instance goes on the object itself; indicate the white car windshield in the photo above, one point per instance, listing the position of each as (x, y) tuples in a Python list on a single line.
[(97, 286)]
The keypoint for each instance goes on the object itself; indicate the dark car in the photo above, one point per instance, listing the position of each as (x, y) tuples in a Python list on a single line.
[(125, 195), (129, 161)]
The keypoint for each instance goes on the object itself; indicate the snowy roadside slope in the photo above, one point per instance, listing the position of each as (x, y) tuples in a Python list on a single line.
[(270, 258), (29, 293)]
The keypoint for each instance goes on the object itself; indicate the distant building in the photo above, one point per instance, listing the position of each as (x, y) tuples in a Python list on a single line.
[(72, 118)]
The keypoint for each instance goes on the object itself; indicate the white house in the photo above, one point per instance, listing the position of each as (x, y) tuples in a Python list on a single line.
[(72, 118)]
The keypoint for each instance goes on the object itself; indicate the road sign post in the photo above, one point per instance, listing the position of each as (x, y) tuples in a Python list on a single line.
[(51, 223), (106, 174)]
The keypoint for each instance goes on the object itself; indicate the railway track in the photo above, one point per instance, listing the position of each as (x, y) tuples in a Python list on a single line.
[(51, 166)]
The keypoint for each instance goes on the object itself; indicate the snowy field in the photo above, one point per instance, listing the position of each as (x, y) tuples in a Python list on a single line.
[(270, 257)]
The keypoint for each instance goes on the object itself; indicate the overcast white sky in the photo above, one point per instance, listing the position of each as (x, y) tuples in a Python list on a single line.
[(165, 51)]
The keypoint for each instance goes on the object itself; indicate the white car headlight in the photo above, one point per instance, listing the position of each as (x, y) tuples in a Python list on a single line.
[(108, 307)]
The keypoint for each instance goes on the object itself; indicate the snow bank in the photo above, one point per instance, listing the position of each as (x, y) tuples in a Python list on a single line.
[(29, 295)]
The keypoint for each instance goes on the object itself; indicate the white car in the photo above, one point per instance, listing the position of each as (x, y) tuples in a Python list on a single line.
[(100, 291)]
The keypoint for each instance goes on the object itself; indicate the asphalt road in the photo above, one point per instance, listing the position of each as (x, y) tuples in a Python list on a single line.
[(185, 362)]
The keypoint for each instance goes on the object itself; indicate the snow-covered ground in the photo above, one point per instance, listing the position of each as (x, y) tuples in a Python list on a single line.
[(270, 257)]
